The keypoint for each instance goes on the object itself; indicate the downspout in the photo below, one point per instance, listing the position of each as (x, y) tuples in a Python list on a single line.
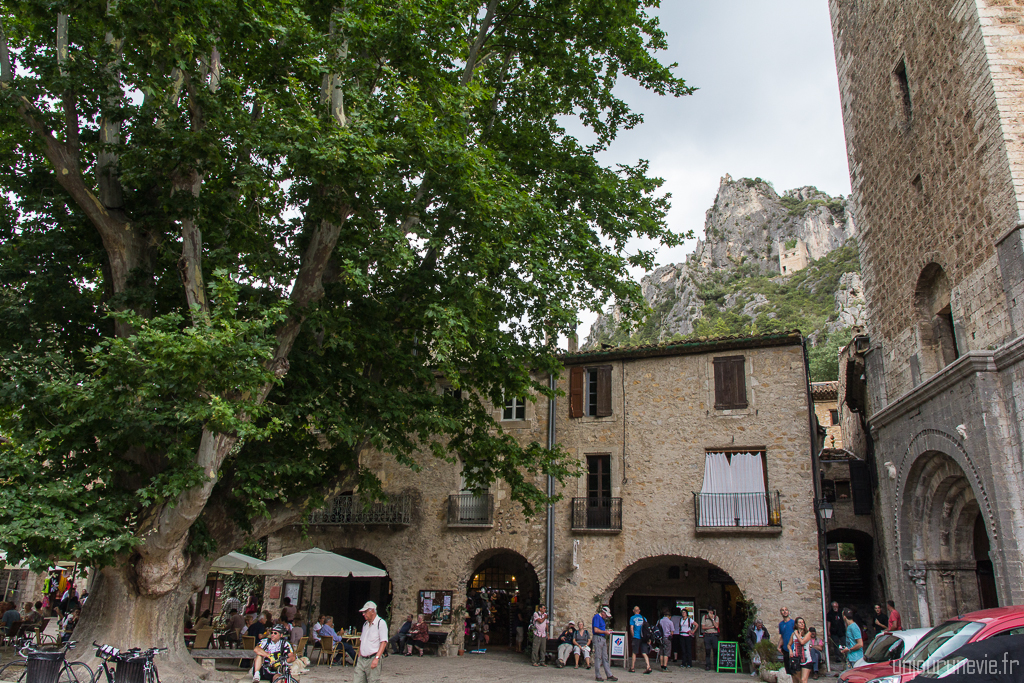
[(823, 579), (549, 570)]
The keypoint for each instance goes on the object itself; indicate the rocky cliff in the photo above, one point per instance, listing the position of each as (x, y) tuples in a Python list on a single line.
[(767, 261)]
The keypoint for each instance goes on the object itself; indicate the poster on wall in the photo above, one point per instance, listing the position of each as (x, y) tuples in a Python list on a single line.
[(685, 604), (436, 606)]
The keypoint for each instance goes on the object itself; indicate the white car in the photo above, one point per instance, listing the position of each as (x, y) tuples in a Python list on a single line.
[(890, 645)]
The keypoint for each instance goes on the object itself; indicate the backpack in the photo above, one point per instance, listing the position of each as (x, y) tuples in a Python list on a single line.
[(658, 637), (646, 633)]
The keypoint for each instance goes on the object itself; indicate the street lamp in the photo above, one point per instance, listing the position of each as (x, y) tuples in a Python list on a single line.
[(824, 510)]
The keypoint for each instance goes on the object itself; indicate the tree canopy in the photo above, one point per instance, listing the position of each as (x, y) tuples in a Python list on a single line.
[(243, 242)]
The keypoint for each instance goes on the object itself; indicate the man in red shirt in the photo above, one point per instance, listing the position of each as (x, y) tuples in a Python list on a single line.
[(895, 622)]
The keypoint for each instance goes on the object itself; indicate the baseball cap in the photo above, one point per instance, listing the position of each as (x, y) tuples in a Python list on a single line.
[(606, 611), (369, 605)]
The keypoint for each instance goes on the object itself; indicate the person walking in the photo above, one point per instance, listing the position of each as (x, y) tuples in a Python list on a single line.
[(709, 625), (755, 634), (880, 621), (372, 644), (539, 627), (687, 631), (636, 640), (602, 631), (854, 649), (895, 620), (668, 631), (232, 603), (785, 633)]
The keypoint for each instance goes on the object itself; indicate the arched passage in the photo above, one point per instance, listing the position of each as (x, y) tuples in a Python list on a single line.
[(502, 587), (944, 539), (341, 597), (675, 582)]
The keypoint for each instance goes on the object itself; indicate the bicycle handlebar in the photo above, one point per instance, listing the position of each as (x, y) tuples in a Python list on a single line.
[(112, 653)]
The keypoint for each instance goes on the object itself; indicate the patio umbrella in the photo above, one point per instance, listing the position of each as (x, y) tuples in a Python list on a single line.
[(236, 563), (317, 562)]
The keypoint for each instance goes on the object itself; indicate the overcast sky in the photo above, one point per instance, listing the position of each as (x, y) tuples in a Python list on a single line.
[(767, 106)]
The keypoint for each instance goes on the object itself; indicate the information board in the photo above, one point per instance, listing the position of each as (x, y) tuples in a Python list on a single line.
[(728, 656), (618, 644), (436, 606)]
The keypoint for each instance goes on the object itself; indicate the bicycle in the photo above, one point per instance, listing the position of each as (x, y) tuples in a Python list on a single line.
[(131, 666), (46, 665)]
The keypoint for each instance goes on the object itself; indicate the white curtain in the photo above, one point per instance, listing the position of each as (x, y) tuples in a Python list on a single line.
[(737, 492)]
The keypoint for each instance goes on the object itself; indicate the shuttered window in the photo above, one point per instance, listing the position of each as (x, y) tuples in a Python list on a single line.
[(590, 391), (730, 383), (860, 483)]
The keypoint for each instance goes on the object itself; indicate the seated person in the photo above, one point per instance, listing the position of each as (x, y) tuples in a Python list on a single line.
[(10, 615), (297, 631), (270, 653), (260, 626), (249, 621), (419, 633), (565, 643), (327, 631), (581, 644), (204, 620), (31, 616), (398, 640), (232, 629), (69, 625)]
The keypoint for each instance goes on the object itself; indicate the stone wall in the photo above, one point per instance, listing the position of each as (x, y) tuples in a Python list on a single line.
[(663, 420)]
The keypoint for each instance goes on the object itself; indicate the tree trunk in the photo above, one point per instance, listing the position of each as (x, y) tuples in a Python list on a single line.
[(117, 614)]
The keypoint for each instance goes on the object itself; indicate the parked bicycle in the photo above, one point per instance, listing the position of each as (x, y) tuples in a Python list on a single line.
[(46, 665), (130, 666)]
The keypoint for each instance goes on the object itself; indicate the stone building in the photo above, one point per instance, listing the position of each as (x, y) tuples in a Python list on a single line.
[(932, 97), (825, 397), (793, 256), (696, 488)]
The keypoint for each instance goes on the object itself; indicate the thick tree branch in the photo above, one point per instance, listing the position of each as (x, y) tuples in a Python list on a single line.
[(6, 74), (190, 265), (478, 43), (107, 182)]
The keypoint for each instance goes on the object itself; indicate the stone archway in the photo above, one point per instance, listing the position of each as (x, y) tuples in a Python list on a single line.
[(502, 590), (939, 538), (341, 597), (852, 580)]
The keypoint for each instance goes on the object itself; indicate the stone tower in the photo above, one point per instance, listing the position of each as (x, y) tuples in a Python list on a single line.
[(933, 106)]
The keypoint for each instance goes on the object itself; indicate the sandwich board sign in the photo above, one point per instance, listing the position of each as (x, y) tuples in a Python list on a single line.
[(728, 656)]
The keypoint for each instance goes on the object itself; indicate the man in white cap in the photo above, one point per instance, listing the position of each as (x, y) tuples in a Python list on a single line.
[(602, 629), (371, 645)]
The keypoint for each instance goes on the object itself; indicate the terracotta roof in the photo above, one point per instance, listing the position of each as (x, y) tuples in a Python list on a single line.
[(685, 347), (825, 391), (836, 454)]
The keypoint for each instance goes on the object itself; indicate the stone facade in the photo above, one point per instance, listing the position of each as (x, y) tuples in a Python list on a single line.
[(824, 395), (794, 259), (932, 97), (662, 423)]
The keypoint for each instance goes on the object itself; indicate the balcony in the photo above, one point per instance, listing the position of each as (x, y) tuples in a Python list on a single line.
[(737, 512), (348, 510), (471, 510), (597, 514)]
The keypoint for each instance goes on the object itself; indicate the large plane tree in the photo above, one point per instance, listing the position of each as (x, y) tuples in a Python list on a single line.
[(241, 243)]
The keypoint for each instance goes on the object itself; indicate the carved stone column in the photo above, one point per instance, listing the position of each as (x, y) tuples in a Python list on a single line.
[(920, 579)]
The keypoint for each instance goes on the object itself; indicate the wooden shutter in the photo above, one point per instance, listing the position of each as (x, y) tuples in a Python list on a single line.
[(730, 383), (860, 487), (576, 376), (604, 390)]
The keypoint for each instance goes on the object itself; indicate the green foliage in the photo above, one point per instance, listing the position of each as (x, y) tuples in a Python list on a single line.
[(768, 652), (823, 358), (791, 244), (799, 208), (471, 228)]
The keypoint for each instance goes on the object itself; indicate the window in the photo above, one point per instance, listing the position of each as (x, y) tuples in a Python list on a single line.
[(734, 492), (843, 491), (453, 393), (590, 391), (902, 86), (730, 383), (834, 416), (515, 409), (599, 476)]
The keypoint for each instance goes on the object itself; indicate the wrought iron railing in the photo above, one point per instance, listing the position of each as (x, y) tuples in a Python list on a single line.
[(396, 510), (597, 514), (471, 509), (716, 510)]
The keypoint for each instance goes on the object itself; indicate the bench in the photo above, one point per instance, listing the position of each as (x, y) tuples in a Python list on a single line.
[(436, 641), (208, 657)]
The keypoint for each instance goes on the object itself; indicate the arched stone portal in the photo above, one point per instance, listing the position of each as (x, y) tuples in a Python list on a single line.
[(943, 540), (671, 582), (852, 580), (502, 587), (341, 597)]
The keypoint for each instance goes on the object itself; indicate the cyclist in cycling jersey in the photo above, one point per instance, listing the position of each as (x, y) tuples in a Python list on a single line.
[(269, 653)]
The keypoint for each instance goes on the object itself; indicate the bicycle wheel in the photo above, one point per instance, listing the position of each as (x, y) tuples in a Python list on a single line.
[(76, 672), (14, 671)]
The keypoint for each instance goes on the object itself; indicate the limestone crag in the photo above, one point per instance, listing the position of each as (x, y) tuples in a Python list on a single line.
[(743, 232)]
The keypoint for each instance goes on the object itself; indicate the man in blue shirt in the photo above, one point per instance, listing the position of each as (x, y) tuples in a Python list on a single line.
[(328, 630), (602, 630), (636, 644), (786, 627), (854, 649)]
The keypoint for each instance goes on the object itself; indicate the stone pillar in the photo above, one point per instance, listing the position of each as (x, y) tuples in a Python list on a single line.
[(1010, 247), (947, 609), (920, 579)]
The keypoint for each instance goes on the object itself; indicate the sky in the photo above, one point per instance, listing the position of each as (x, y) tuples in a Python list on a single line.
[(767, 106)]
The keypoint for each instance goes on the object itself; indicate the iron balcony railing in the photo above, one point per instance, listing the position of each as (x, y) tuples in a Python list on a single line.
[(350, 510), (471, 509), (597, 514), (716, 510)]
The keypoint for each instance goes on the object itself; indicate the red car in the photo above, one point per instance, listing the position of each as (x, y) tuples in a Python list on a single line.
[(940, 642)]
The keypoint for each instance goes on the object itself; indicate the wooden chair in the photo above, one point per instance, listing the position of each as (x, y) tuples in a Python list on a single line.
[(300, 649), (43, 638), (248, 644), (327, 648), (202, 641)]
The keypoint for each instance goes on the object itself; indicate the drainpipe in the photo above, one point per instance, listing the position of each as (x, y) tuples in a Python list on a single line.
[(813, 433), (549, 597)]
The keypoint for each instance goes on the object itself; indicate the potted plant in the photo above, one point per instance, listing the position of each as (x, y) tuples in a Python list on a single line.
[(767, 652)]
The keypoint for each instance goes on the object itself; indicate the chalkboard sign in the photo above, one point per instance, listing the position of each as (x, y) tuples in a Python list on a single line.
[(728, 656)]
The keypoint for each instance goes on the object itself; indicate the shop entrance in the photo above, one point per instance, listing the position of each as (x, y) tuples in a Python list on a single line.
[(501, 594), (341, 598)]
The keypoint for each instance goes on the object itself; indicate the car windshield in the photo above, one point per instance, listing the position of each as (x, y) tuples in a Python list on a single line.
[(940, 642), (883, 648), (943, 668)]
